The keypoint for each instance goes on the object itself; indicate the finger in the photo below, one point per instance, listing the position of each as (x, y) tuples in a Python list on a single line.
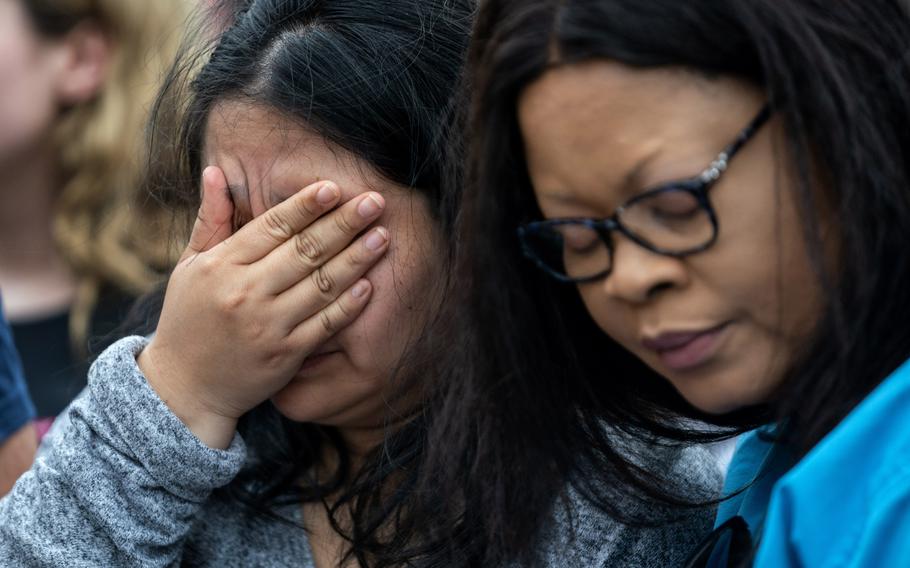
[(213, 221), (313, 247), (278, 224), (328, 282), (335, 317)]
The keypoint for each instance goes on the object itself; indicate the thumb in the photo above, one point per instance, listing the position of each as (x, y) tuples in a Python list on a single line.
[(213, 222)]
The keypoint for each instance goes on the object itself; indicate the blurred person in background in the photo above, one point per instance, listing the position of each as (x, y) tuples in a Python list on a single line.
[(76, 245), (17, 432)]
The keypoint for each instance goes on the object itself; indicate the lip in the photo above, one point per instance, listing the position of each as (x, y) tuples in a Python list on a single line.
[(685, 350)]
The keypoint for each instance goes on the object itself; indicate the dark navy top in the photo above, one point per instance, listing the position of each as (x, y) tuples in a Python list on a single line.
[(16, 409)]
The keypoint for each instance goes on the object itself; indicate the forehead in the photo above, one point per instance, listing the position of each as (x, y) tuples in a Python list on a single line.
[(268, 156), (594, 103), (603, 125), (601, 90)]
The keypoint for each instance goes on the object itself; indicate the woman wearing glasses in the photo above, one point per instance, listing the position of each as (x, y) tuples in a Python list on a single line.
[(724, 187)]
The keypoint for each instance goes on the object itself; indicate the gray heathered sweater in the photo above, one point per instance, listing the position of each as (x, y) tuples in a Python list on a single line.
[(123, 482)]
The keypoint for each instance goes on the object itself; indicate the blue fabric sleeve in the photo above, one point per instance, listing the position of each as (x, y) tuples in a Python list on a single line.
[(847, 503), (879, 537), (16, 408)]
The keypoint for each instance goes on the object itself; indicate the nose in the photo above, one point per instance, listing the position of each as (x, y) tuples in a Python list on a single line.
[(639, 274)]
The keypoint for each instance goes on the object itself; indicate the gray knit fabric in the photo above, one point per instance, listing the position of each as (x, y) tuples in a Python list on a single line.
[(122, 482)]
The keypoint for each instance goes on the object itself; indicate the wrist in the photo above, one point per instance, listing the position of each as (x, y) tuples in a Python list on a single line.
[(212, 428)]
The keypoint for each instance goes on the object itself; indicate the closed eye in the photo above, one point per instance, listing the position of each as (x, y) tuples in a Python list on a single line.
[(673, 205), (579, 238)]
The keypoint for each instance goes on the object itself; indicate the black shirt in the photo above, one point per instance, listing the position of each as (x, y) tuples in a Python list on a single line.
[(54, 373)]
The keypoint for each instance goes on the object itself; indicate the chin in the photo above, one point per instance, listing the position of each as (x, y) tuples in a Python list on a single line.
[(297, 403), (714, 405), (326, 403), (721, 397)]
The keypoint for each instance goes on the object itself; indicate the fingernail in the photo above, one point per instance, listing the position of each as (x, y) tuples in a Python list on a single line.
[(206, 173), (377, 238), (360, 289), (370, 205), (327, 193)]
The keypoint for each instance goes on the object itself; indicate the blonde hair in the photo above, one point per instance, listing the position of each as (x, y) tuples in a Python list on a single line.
[(107, 231)]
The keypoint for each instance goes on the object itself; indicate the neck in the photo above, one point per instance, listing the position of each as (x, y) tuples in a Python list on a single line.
[(35, 279), (359, 443), (326, 544)]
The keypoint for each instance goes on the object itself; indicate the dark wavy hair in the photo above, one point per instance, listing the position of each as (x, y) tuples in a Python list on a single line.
[(526, 377), (376, 78)]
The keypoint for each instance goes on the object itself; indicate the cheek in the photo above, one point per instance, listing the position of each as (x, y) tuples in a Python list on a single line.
[(397, 310), (27, 106), (761, 267)]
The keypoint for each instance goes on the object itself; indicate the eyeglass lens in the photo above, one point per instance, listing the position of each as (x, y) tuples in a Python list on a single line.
[(671, 220)]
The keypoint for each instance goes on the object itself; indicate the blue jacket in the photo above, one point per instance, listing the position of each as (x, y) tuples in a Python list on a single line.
[(846, 503), (16, 408)]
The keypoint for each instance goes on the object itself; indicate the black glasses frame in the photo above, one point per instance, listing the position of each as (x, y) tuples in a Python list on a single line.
[(698, 187)]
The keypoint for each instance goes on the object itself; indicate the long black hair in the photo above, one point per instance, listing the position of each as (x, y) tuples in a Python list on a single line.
[(376, 78), (530, 379)]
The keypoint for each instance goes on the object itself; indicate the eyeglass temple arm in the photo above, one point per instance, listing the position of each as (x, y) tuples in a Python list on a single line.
[(720, 163)]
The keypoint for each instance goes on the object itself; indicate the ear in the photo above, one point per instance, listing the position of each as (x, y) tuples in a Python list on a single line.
[(85, 56)]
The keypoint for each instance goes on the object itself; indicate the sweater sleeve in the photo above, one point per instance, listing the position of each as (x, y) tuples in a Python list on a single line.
[(122, 480)]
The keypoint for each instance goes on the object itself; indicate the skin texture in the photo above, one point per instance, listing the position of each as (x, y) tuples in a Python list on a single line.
[(16, 455), (39, 75), (266, 158), (598, 133), (259, 298), (281, 288), (28, 98)]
